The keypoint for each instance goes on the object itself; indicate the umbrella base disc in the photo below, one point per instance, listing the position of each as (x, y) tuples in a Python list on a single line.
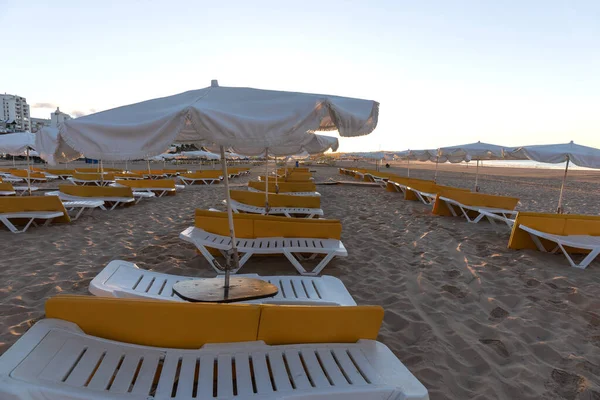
[(211, 290)]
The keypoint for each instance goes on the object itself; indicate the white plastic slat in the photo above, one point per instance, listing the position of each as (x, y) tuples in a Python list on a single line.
[(157, 285), (281, 378), (309, 286), (298, 288), (185, 388), (261, 373), (63, 362), (145, 283), (315, 371), (297, 372), (85, 367), (224, 376), (242, 374), (331, 368), (167, 376), (348, 367), (145, 378), (287, 287), (106, 370), (364, 365), (125, 375), (205, 379)]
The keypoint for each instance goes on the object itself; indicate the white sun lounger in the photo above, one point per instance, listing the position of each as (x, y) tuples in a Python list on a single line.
[(18, 190), (585, 242), (206, 181), (251, 189), (158, 192), (12, 178), (378, 179), (424, 197), (80, 206), (142, 194), (115, 201), (292, 248), (9, 178), (493, 215), (289, 212), (458, 209), (98, 182), (126, 280), (32, 216), (56, 360)]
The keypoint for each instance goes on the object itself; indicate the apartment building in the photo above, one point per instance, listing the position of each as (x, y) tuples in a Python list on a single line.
[(14, 112)]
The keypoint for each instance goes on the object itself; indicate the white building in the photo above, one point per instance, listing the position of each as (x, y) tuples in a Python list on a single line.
[(38, 123), (58, 117), (15, 112)]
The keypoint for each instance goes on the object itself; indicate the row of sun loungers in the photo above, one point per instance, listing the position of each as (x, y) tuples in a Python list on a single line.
[(570, 235)]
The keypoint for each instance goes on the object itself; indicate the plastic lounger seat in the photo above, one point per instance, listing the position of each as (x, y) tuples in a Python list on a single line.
[(291, 248), (95, 182), (79, 206), (21, 190), (56, 360), (124, 279), (109, 203), (287, 211), (458, 209), (584, 242), (288, 193), (31, 211)]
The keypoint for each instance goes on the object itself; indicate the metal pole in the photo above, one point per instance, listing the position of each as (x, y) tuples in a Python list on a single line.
[(125, 165), (437, 159), (28, 174), (560, 210), (101, 173), (476, 176), (234, 250), (14, 165), (408, 166), (267, 181), (148, 163), (276, 177)]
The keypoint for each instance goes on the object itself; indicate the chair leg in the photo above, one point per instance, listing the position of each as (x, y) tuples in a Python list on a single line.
[(9, 225), (538, 243), (585, 262)]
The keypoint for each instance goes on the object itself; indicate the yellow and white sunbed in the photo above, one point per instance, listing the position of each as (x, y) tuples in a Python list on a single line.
[(121, 349), (32, 210), (279, 204), (265, 234), (110, 196)]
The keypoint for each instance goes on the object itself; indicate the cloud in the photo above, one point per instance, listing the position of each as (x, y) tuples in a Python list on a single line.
[(77, 113), (44, 105)]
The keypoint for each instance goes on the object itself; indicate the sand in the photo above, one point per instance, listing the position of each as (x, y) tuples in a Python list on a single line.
[(470, 318)]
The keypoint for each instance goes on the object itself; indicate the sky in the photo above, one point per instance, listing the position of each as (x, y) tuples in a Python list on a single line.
[(445, 72)]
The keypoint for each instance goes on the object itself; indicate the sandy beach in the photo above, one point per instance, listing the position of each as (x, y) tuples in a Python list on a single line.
[(470, 318)]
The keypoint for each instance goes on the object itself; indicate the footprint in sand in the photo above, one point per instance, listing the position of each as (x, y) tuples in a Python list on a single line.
[(453, 273), (498, 313), (497, 346), (455, 291), (566, 384)]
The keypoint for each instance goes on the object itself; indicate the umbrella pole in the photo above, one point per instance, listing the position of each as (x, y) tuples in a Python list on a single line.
[(408, 167), (476, 176), (560, 210), (231, 227), (437, 159), (101, 173), (267, 181), (28, 174), (148, 163), (125, 165), (14, 165), (276, 176)]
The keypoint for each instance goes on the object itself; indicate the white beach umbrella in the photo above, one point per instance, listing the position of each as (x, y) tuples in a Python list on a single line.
[(197, 154), (19, 144), (225, 116), (582, 156), (474, 151)]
